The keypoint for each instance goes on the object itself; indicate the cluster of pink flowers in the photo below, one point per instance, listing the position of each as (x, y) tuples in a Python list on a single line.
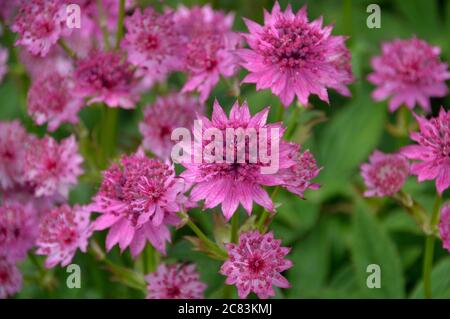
[(178, 281)]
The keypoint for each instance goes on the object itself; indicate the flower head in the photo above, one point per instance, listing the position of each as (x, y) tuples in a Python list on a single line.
[(40, 24), (56, 61), (178, 281), (385, 174), (295, 57), (62, 232), (409, 72), (50, 100), (444, 226), (12, 139), (432, 151), (239, 176), (138, 198), (153, 42), (10, 278), (166, 114), (255, 264), (106, 77), (297, 178), (209, 47), (18, 229), (3, 63), (52, 167)]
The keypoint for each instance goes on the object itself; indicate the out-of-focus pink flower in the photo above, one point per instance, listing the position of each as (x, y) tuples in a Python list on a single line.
[(18, 229), (40, 24), (51, 99), (234, 181), (56, 61), (153, 43), (3, 63), (8, 9), (12, 140), (10, 278), (161, 118), (297, 178), (51, 167), (255, 264), (432, 151), (106, 77), (138, 199), (294, 57), (208, 45), (178, 281), (385, 174), (25, 194), (62, 232), (409, 72), (444, 226)]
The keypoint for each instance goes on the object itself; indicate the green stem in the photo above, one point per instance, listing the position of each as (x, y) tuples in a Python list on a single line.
[(103, 26), (108, 134), (429, 249), (119, 34), (235, 227), (67, 49), (261, 224), (293, 121), (205, 240)]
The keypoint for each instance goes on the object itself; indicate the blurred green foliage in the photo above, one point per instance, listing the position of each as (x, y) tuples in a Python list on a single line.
[(335, 233)]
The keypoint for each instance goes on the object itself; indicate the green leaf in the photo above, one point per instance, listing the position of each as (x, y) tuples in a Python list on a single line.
[(440, 281), (372, 245)]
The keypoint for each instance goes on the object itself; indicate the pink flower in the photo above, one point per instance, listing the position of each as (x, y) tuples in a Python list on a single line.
[(50, 99), (62, 232), (138, 198), (209, 47), (166, 114), (444, 226), (153, 43), (297, 178), (409, 72), (105, 77), (234, 181), (40, 24), (18, 229), (56, 61), (385, 174), (51, 167), (178, 281), (10, 278), (8, 9), (3, 63), (255, 264), (292, 56), (433, 150), (12, 139)]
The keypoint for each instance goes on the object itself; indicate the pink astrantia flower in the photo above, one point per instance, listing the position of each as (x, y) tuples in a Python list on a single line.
[(18, 229), (236, 181), (8, 10), (50, 99), (444, 226), (178, 281), (255, 264), (385, 174), (138, 199), (10, 278), (153, 43), (51, 167), (292, 56), (106, 77), (40, 24), (209, 47), (297, 178), (432, 151), (56, 61), (62, 232), (409, 72), (161, 118), (12, 139), (3, 63)]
